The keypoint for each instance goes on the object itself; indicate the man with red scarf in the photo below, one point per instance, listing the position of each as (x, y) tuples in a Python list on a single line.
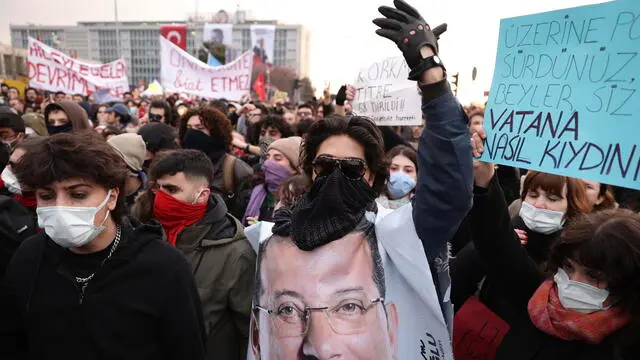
[(197, 223)]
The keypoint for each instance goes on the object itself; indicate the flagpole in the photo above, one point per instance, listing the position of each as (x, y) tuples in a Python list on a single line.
[(115, 11)]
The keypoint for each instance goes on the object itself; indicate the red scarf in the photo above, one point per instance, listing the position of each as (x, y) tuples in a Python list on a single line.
[(27, 200), (175, 215), (548, 315)]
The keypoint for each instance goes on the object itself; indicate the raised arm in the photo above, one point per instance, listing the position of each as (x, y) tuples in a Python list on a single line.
[(444, 190), (445, 170), (495, 240)]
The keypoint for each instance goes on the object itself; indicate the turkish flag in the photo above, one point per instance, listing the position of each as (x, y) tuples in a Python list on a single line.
[(177, 34), (259, 87)]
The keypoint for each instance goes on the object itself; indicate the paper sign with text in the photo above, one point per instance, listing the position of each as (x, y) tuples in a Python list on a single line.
[(386, 96), (52, 70), (183, 73), (564, 97)]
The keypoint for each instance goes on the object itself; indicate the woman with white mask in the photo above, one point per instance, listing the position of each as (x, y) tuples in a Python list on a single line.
[(93, 283), (585, 304), (403, 175), (548, 203)]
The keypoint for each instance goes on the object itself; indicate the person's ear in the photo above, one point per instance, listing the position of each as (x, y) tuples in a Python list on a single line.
[(392, 328), (21, 137), (254, 336), (371, 178), (203, 198), (113, 199)]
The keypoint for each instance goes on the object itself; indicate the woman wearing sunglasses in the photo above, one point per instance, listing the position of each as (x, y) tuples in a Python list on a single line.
[(345, 156), (586, 305)]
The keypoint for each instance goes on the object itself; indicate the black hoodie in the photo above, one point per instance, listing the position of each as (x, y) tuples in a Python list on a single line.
[(142, 304)]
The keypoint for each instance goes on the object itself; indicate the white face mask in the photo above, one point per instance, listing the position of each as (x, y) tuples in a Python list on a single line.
[(11, 181), (541, 220), (71, 226), (577, 296)]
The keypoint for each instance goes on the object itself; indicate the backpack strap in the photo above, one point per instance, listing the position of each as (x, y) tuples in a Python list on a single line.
[(228, 167)]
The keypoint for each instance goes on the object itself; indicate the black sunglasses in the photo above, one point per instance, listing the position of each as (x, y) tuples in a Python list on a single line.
[(155, 117), (352, 168)]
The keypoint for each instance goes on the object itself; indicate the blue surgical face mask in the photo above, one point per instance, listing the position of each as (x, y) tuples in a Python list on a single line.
[(400, 184)]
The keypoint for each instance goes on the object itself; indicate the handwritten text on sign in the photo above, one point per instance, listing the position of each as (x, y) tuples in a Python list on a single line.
[(386, 96), (564, 95), (184, 73), (52, 70)]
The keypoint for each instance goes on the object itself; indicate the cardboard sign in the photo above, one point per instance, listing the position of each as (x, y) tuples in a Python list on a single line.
[(183, 73), (477, 331), (564, 97), (386, 96), (52, 70)]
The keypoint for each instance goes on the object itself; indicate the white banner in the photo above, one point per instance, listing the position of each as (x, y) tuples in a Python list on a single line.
[(218, 33), (183, 73), (386, 95), (263, 38), (52, 70)]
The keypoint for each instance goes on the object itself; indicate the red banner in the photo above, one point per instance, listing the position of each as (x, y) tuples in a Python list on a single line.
[(177, 34)]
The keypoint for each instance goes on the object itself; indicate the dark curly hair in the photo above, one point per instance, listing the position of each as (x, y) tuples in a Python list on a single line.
[(213, 119), (78, 155), (277, 122), (607, 243), (360, 129)]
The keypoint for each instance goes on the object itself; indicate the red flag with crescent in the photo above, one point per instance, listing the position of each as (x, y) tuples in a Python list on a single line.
[(177, 34)]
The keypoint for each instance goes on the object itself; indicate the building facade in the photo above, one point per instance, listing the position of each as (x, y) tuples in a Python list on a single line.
[(13, 62), (139, 46)]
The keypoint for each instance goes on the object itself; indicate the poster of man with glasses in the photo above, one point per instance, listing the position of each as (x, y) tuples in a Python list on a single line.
[(349, 298)]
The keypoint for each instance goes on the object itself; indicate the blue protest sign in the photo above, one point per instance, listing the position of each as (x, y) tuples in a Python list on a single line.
[(564, 96)]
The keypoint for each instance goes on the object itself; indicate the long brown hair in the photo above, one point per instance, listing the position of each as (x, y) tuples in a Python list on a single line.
[(577, 201)]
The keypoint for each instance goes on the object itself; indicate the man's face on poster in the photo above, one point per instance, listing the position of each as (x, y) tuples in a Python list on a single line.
[(217, 36), (337, 280)]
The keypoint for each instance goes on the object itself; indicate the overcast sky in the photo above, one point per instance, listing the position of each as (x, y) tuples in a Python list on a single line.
[(342, 35)]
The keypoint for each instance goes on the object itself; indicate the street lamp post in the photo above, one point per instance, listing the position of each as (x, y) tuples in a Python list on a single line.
[(115, 11)]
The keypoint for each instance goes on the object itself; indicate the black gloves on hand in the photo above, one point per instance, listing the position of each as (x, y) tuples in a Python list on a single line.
[(410, 32), (341, 96)]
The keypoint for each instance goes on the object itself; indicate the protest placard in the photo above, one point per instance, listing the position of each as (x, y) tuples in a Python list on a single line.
[(181, 72), (564, 94), (263, 39), (386, 96), (52, 70)]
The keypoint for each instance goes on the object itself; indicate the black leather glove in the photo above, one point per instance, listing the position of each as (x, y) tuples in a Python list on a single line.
[(341, 96), (410, 32)]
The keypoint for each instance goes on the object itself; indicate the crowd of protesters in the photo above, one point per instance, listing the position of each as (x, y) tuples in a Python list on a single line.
[(122, 223)]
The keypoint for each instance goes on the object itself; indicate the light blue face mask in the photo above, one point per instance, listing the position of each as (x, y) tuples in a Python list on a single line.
[(400, 184)]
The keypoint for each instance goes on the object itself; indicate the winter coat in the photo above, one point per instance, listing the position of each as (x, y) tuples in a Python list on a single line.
[(509, 264), (444, 188), (223, 263)]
